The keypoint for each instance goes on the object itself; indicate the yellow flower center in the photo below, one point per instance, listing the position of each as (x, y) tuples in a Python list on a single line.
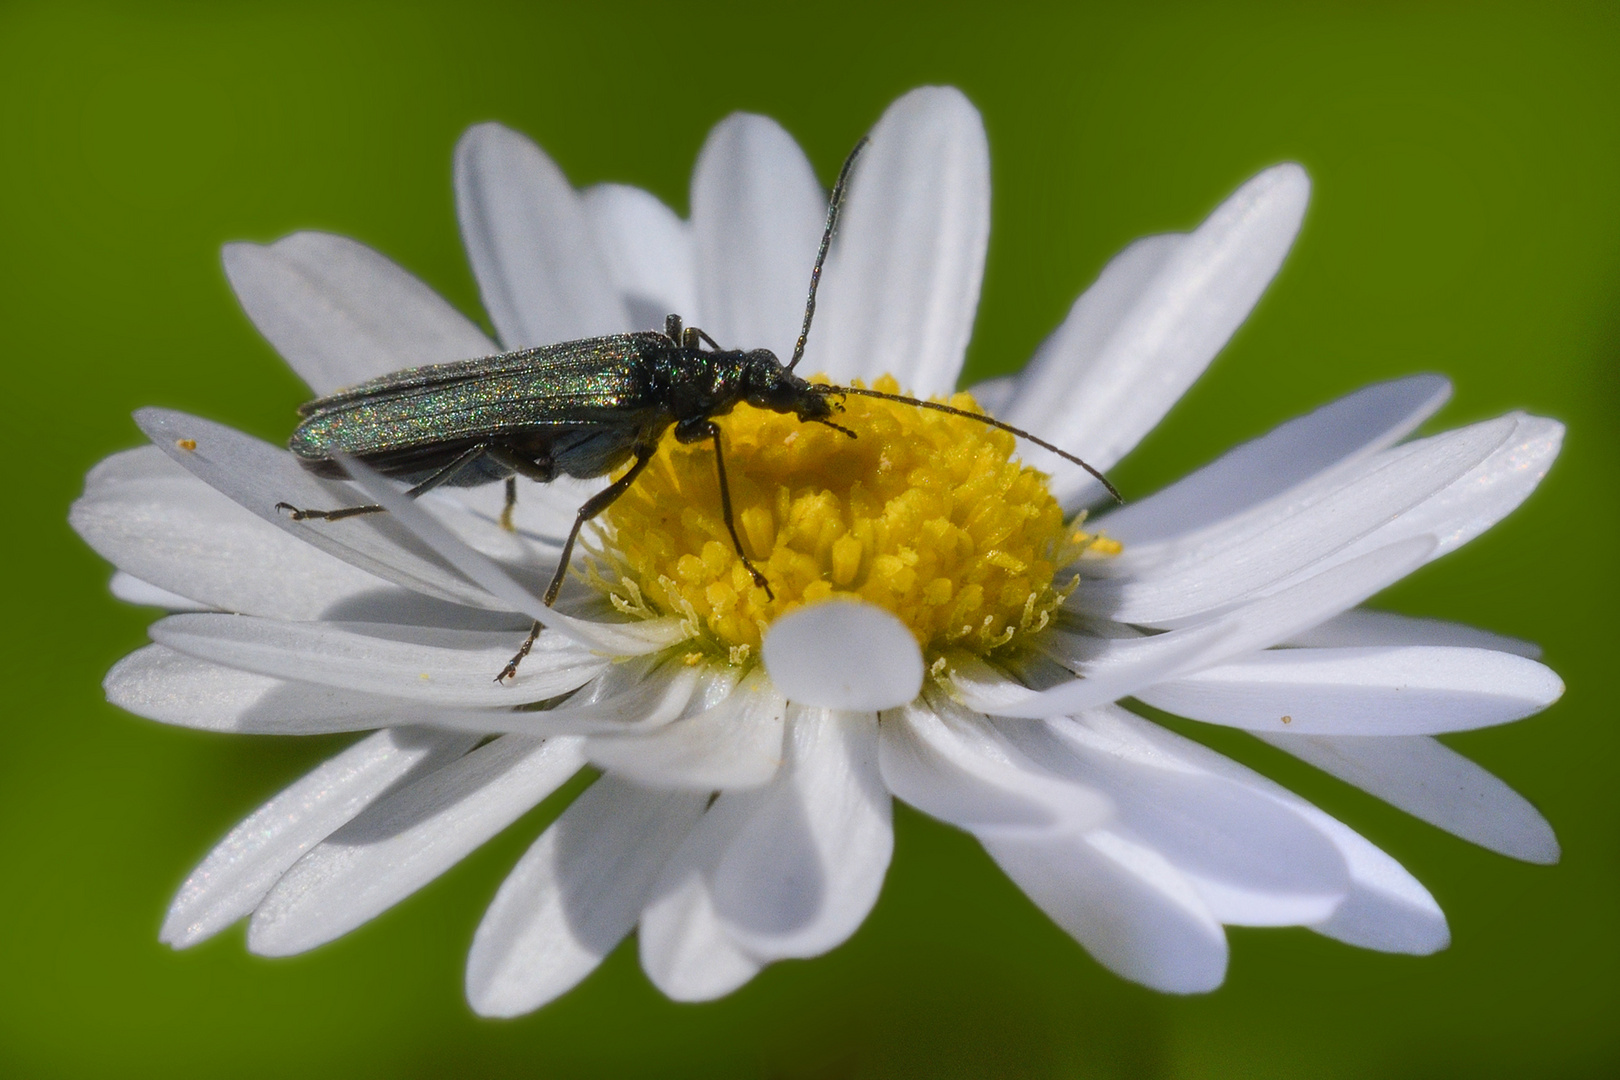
[(925, 514)]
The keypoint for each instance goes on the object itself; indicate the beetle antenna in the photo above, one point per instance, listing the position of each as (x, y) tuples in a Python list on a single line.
[(991, 421), (834, 204)]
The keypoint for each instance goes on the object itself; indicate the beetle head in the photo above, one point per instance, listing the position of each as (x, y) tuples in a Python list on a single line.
[(769, 385)]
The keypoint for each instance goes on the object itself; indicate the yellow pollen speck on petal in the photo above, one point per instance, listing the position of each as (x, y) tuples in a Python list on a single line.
[(928, 515)]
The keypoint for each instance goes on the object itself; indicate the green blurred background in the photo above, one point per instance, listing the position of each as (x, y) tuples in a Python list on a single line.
[(1466, 220)]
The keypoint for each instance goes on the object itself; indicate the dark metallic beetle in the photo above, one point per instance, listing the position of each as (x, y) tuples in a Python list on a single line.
[(580, 408)]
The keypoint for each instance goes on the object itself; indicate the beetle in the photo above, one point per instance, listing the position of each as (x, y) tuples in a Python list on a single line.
[(581, 408)]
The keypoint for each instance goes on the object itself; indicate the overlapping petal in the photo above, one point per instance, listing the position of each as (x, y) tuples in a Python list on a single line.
[(402, 842), (340, 313), (540, 273), (757, 213), (1153, 321)]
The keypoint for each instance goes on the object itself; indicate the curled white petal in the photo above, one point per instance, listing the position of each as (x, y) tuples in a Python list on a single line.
[(843, 654), (132, 590), (734, 744)]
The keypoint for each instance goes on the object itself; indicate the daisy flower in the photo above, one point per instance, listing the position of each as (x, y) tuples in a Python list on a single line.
[(945, 624)]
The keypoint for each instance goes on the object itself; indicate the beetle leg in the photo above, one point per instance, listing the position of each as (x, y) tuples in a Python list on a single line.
[(690, 432), (462, 460), (511, 501), (593, 506)]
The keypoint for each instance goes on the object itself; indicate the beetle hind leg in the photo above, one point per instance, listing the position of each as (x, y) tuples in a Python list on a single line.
[(510, 670), (462, 460), (511, 504)]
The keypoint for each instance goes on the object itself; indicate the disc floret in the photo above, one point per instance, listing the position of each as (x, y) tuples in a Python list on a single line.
[(928, 515)]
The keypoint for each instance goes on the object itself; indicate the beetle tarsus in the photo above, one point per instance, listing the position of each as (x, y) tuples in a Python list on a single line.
[(510, 670), (511, 502), (329, 515)]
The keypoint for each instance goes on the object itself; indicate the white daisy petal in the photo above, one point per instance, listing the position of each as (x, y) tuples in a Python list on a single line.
[(1378, 690), (1433, 782), (1123, 902), (648, 251), (1159, 313), (757, 213), (243, 867), (1385, 909), (163, 685), (406, 840), (804, 865), (623, 639), (159, 523), (1338, 434), (257, 476), (575, 894), (843, 655), (902, 284), (424, 664), (1481, 497), (531, 246), (734, 744), (684, 947), (1248, 560), (1363, 626), (1255, 626), (995, 395), (132, 590), (955, 766), (627, 707), (1253, 861), (340, 313)]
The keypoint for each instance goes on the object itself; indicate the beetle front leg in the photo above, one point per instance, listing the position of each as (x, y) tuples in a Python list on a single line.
[(695, 431), (593, 506)]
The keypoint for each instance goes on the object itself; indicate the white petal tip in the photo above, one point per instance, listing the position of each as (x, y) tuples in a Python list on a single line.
[(844, 654)]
